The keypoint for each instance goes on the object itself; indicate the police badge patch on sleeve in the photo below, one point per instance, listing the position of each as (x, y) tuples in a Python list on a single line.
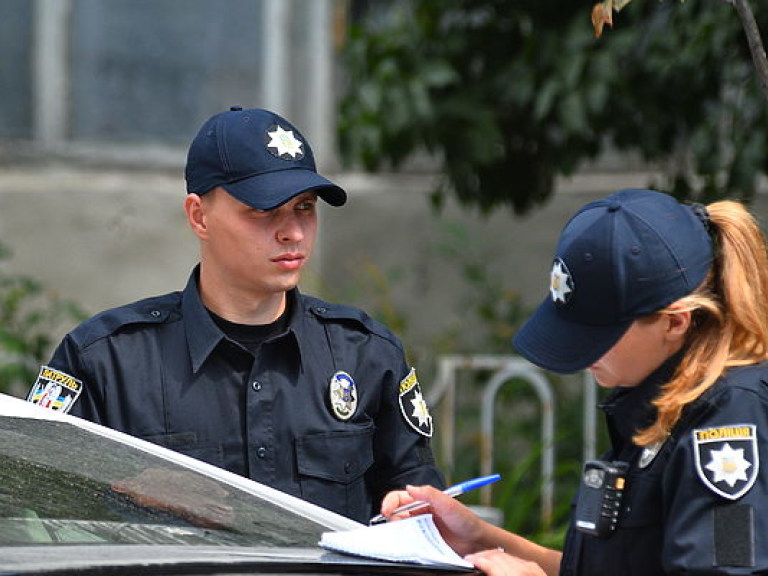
[(55, 390), (727, 459), (413, 407)]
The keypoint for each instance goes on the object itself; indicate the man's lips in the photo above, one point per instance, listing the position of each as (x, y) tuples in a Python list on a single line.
[(290, 261)]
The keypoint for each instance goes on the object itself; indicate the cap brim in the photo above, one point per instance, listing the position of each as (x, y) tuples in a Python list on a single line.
[(551, 341), (270, 190)]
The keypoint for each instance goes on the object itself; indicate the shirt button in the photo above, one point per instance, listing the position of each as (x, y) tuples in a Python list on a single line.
[(256, 385), (347, 467), (155, 313), (261, 452)]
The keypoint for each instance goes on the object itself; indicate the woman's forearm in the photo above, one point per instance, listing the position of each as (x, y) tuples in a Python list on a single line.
[(495, 537)]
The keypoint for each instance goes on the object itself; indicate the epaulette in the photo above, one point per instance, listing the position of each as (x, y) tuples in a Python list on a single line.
[(326, 311), (154, 310)]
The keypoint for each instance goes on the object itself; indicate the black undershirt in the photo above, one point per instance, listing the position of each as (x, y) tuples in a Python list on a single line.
[(252, 336)]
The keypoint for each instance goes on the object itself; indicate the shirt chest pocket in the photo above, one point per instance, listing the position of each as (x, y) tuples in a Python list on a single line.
[(335, 456), (636, 543), (641, 505), (634, 548), (331, 468)]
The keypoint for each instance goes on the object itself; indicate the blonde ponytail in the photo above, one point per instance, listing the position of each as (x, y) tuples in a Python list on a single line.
[(730, 316)]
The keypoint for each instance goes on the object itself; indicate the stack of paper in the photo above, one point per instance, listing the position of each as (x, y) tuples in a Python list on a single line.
[(414, 540)]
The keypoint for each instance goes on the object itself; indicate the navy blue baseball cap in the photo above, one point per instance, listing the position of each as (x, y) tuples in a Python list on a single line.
[(619, 258), (258, 157)]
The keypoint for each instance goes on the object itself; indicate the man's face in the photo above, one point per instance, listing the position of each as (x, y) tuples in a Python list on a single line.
[(257, 252)]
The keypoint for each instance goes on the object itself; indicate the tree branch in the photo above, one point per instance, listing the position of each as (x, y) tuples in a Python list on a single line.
[(749, 24)]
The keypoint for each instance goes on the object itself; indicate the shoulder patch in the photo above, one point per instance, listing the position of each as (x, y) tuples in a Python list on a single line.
[(727, 459), (55, 390), (413, 407)]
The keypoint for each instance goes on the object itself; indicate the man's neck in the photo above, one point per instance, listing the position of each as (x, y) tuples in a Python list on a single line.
[(238, 307)]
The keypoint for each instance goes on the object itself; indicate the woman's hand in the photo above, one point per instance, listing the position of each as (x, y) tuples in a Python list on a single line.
[(396, 499), (498, 563), (470, 536), (461, 528)]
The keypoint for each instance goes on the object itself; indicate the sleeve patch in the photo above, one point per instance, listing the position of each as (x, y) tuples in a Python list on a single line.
[(727, 459), (55, 390), (734, 535), (413, 406)]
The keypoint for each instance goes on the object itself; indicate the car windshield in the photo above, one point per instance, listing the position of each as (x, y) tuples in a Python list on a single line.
[(62, 484)]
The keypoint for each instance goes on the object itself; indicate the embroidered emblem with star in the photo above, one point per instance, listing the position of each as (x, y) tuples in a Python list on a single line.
[(413, 407), (420, 410), (727, 459), (285, 143), (561, 283), (728, 465)]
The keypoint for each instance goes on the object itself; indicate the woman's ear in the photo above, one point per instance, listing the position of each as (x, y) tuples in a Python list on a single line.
[(193, 206), (679, 323)]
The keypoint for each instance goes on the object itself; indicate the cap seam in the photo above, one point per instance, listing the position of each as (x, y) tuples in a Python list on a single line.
[(221, 145), (682, 270)]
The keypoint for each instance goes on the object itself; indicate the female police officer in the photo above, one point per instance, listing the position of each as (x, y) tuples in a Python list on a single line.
[(666, 304)]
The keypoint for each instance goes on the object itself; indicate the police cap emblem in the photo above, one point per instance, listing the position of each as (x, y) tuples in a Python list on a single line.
[(283, 143), (342, 394), (560, 283)]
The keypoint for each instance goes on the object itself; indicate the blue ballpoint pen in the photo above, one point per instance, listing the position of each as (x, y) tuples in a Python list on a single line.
[(453, 492)]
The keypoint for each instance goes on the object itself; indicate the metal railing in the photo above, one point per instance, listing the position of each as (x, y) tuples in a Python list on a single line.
[(506, 368)]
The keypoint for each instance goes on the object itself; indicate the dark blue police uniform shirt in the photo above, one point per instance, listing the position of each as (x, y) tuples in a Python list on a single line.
[(698, 505), (160, 369)]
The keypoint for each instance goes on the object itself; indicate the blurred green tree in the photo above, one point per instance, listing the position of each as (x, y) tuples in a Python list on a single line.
[(30, 316), (507, 96)]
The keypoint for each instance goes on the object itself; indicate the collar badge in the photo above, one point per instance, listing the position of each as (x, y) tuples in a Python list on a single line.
[(649, 454)]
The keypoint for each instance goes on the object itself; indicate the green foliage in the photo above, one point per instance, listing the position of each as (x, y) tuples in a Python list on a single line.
[(507, 96), (29, 316)]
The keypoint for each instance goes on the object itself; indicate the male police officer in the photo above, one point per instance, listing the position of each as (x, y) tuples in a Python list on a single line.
[(240, 369)]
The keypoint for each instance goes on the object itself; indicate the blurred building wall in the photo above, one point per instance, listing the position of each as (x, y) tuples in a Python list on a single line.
[(101, 97), (84, 72), (99, 102)]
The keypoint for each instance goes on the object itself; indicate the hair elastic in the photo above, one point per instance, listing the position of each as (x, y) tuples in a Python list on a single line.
[(702, 214)]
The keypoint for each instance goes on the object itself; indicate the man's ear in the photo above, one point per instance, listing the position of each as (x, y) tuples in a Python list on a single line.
[(193, 207)]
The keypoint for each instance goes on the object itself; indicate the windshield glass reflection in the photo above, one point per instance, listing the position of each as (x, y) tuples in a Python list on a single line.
[(59, 483)]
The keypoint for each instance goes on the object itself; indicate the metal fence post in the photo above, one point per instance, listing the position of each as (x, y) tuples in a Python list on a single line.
[(506, 368)]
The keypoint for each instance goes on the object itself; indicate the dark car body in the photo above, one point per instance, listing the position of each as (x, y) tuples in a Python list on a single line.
[(78, 498)]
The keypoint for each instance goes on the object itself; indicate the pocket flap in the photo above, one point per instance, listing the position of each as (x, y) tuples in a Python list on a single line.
[(336, 456)]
